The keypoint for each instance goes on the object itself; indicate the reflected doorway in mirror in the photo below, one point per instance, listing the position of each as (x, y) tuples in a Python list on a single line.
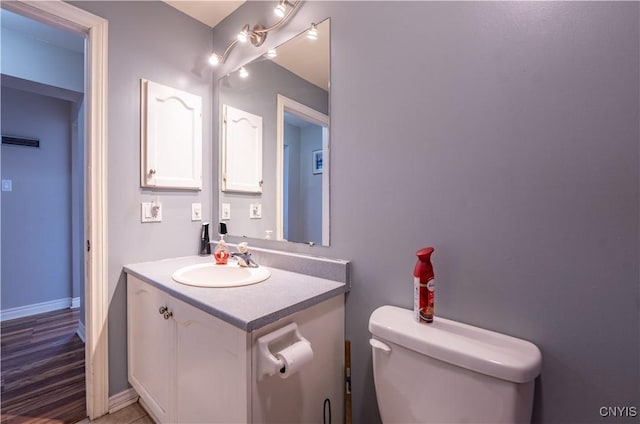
[(302, 199)]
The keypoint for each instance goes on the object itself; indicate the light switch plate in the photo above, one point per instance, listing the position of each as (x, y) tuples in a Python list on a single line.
[(196, 211), (151, 212), (7, 185), (225, 211), (255, 210)]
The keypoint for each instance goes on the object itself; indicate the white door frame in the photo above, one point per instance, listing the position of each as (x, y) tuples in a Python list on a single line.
[(285, 104), (95, 29)]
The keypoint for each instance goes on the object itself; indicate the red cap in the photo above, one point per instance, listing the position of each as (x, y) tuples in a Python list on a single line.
[(423, 269)]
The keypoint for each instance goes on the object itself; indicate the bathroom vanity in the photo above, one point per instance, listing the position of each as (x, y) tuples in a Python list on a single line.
[(193, 352)]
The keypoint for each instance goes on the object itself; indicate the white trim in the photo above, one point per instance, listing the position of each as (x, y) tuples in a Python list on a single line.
[(35, 308), (75, 303), (97, 281), (286, 104), (122, 400), (95, 28), (325, 186), (149, 411), (82, 332)]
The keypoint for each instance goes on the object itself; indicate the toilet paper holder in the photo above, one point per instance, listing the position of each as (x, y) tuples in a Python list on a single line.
[(268, 364)]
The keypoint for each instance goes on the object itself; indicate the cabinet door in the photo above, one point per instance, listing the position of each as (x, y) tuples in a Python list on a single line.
[(148, 336), (211, 368), (171, 137), (241, 151), (301, 397)]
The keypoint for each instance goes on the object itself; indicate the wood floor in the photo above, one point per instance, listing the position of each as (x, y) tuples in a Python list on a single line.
[(132, 414), (42, 369)]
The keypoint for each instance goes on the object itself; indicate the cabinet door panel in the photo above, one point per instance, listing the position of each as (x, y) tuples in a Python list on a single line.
[(149, 348), (300, 398), (171, 137), (211, 368), (241, 151)]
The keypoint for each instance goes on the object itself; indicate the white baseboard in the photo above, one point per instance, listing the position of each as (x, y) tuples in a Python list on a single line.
[(75, 302), (81, 331), (149, 411), (36, 308), (122, 400)]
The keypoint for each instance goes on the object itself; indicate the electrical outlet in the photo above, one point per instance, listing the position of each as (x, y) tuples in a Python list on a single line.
[(151, 212), (7, 185), (255, 210), (196, 211), (225, 212)]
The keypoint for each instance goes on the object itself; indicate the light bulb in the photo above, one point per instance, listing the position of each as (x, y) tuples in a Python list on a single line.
[(312, 34), (214, 59), (243, 73), (272, 53), (244, 34), (280, 9)]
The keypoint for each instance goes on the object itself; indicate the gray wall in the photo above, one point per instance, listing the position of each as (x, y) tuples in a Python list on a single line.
[(155, 41), (506, 135), (257, 94), (36, 215), (37, 60)]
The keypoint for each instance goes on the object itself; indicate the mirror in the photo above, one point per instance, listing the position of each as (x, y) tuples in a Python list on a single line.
[(274, 143)]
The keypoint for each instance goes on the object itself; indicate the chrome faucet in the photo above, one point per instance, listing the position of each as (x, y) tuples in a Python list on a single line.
[(244, 257)]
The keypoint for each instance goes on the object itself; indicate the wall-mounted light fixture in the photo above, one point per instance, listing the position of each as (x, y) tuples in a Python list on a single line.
[(272, 53), (312, 33), (258, 33)]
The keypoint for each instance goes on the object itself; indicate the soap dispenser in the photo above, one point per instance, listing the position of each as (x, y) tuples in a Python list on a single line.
[(205, 246), (221, 253)]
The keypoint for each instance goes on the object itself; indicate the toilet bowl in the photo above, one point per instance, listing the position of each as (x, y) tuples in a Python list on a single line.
[(449, 372)]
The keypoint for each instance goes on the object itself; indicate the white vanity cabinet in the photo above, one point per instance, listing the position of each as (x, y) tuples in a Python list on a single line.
[(148, 336), (186, 365), (210, 368), (191, 367)]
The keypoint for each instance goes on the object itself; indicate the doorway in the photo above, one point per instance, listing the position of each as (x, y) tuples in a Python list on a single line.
[(42, 352), (95, 30), (302, 173), (303, 179)]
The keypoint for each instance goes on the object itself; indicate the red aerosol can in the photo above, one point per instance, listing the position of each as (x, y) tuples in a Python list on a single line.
[(424, 285)]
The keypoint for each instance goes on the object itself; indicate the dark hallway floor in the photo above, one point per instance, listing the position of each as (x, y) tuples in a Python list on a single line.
[(42, 369)]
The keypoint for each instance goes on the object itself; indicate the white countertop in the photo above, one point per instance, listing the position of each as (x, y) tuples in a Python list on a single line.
[(246, 307)]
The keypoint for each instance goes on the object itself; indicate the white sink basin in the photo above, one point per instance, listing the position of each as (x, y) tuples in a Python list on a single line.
[(212, 275)]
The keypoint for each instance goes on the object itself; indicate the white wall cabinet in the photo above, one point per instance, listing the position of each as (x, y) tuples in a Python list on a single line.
[(171, 137), (241, 151), (190, 367)]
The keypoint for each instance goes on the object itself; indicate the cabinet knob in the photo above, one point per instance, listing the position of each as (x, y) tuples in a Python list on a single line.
[(152, 172), (164, 311)]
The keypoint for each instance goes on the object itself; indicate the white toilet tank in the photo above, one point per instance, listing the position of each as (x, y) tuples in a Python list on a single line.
[(449, 372)]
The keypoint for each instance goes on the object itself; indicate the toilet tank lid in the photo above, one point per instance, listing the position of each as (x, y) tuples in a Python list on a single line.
[(463, 345)]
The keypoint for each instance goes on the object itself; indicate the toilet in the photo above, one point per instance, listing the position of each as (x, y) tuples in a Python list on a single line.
[(449, 372)]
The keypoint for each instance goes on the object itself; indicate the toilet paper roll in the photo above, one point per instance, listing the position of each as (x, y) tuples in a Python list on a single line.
[(294, 358)]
